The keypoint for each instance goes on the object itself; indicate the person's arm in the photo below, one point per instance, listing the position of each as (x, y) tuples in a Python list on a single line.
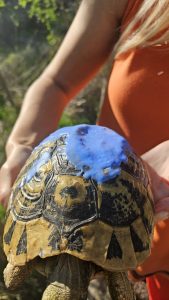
[(86, 47)]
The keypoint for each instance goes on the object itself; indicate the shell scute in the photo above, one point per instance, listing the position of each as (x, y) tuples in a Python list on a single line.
[(54, 209)]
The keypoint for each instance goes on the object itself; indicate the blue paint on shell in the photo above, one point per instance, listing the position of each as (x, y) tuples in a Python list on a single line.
[(96, 151), (37, 164)]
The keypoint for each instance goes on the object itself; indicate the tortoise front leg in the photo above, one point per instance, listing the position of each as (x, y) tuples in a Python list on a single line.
[(14, 276), (119, 286), (69, 279)]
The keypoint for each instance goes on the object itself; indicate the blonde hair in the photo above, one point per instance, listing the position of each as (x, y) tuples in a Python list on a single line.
[(148, 27)]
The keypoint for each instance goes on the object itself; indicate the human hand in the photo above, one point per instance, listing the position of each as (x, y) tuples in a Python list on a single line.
[(157, 162), (10, 170)]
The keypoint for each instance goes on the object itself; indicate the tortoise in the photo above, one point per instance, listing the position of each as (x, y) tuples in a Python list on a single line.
[(81, 205)]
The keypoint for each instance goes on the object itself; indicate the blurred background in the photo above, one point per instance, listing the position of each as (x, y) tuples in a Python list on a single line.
[(30, 34)]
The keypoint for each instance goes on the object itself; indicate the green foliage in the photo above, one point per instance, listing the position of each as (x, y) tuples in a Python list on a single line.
[(8, 115), (2, 213), (2, 3), (67, 120), (44, 10), (34, 20), (51, 14), (30, 33), (17, 29)]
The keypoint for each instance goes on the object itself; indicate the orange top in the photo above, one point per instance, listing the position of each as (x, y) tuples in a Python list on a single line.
[(137, 103)]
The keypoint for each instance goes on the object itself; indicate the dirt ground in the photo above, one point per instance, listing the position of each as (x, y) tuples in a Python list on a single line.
[(99, 291)]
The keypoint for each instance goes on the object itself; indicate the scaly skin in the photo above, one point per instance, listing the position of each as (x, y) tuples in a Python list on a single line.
[(14, 276), (120, 287), (69, 279)]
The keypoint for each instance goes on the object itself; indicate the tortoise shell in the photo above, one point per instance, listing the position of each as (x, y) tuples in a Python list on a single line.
[(61, 204)]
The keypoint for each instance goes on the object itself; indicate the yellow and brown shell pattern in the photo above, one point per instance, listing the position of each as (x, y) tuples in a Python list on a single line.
[(55, 211)]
